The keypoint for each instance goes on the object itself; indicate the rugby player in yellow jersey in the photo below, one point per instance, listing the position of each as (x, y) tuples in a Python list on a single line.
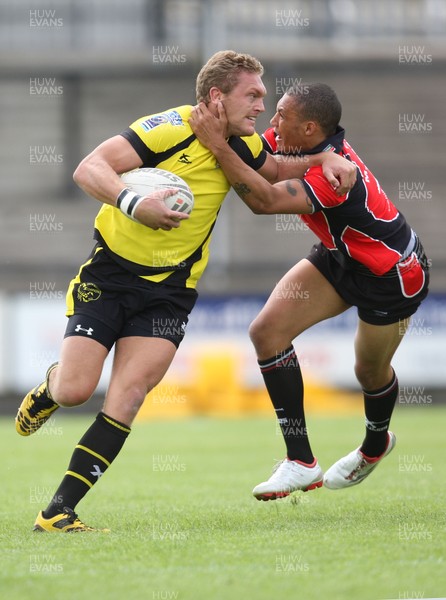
[(137, 288)]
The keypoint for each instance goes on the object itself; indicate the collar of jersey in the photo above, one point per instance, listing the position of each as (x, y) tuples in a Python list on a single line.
[(333, 142)]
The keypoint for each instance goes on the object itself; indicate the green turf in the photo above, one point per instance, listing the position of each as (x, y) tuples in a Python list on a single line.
[(185, 526)]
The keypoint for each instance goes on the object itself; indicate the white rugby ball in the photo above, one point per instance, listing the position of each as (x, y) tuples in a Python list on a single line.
[(147, 180)]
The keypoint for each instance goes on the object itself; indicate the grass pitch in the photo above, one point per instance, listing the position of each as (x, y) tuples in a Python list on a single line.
[(185, 526)]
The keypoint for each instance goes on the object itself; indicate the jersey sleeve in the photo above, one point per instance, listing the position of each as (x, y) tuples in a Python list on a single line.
[(269, 140), (250, 149), (144, 153), (319, 190), (154, 136)]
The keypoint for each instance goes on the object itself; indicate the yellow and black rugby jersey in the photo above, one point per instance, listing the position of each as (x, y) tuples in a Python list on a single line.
[(176, 257)]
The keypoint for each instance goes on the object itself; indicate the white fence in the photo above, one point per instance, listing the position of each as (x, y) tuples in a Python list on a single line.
[(32, 328)]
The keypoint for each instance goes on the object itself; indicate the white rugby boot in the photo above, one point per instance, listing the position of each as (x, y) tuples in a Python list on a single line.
[(355, 467), (289, 476)]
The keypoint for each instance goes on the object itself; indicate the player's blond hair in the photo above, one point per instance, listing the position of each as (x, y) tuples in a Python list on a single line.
[(222, 71)]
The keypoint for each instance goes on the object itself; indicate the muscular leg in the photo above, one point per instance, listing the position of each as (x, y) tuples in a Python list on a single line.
[(302, 298), (375, 346), (68, 383), (139, 364), (77, 374)]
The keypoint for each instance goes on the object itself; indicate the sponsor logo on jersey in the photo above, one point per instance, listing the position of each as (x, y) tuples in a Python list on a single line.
[(88, 292), (173, 117), (185, 158)]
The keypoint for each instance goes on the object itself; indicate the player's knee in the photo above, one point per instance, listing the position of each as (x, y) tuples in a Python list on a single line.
[(267, 338), (136, 394), (73, 394), (133, 398), (258, 333), (371, 375)]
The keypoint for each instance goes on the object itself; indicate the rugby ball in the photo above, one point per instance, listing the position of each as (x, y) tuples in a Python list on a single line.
[(147, 180)]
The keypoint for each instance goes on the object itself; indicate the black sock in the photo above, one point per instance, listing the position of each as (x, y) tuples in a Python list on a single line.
[(283, 380), (378, 406), (95, 452)]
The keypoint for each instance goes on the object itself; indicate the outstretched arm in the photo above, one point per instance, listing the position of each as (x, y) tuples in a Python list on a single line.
[(261, 196), (339, 172)]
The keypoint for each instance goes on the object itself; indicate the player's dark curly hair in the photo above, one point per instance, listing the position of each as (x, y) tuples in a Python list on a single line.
[(317, 102), (222, 71)]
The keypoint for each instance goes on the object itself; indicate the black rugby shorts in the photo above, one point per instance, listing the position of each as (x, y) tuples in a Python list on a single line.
[(380, 300), (106, 302)]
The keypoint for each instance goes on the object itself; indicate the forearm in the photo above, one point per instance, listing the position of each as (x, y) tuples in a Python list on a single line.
[(291, 167), (253, 189), (97, 179), (98, 176), (98, 173)]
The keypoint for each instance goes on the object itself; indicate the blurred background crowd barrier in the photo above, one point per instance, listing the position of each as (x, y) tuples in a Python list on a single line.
[(75, 72)]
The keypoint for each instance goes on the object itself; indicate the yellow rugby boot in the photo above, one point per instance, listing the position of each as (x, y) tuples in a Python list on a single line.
[(66, 521), (36, 407)]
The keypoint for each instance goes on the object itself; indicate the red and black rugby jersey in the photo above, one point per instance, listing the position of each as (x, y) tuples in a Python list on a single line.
[(363, 224)]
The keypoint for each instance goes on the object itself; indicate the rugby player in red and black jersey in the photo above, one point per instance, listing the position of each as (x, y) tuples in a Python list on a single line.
[(368, 256)]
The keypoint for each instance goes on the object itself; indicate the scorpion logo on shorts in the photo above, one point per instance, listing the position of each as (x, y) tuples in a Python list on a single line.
[(88, 292)]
